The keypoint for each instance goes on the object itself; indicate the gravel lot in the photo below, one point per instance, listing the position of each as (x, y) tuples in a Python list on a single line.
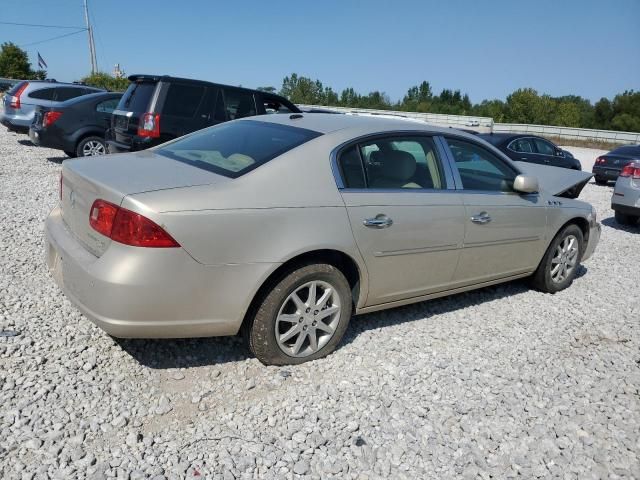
[(496, 383)]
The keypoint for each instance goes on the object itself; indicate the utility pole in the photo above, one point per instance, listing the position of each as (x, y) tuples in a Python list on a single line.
[(92, 47)]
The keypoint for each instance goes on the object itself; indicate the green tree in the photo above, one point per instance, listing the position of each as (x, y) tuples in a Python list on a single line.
[(567, 114), (14, 63), (302, 90), (603, 114), (106, 81), (522, 106)]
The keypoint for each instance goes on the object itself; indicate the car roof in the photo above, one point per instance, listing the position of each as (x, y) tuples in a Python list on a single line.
[(169, 78), (328, 123), (498, 138), (54, 83)]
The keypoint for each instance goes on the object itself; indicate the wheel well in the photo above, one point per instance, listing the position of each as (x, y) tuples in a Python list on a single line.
[(340, 260), (90, 133), (582, 224)]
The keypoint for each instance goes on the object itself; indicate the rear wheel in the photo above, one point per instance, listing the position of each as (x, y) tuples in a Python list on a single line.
[(560, 262), (624, 219), (302, 317), (91, 146), (601, 180)]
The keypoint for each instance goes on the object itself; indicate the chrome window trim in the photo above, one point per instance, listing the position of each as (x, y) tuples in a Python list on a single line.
[(444, 161)]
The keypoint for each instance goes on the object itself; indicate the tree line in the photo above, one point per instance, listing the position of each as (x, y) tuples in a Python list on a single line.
[(524, 105)]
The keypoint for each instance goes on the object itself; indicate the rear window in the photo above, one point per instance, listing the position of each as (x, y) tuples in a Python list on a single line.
[(627, 150), (12, 91), (183, 100), (233, 149), (137, 97)]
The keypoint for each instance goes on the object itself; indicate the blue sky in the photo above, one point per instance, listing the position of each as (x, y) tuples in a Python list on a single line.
[(485, 48)]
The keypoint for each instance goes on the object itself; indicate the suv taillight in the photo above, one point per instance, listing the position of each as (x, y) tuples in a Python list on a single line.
[(631, 170), (600, 160), (124, 226), (149, 125), (15, 100), (49, 118)]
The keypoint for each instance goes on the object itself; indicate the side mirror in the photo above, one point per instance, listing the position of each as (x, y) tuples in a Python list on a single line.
[(559, 153), (525, 184)]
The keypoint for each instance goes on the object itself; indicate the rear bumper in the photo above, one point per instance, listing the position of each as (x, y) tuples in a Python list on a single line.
[(606, 172), (44, 138), (137, 143), (594, 239), (132, 292)]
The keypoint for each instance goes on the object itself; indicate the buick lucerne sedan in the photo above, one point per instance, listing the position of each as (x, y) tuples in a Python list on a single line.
[(283, 226)]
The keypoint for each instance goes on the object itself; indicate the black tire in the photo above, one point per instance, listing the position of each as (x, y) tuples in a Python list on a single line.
[(624, 219), (70, 154), (542, 278), (260, 330), (601, 181), (80, 149)]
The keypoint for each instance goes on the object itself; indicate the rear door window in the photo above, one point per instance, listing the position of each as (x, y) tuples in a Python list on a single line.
[(183, 100), (232, 149), (137, 97), (212, 108), (239, 104), (67, 93), (521, 145), (43, 94)]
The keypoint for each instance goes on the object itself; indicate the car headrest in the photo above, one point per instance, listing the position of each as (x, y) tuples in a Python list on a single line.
[(395, 164)]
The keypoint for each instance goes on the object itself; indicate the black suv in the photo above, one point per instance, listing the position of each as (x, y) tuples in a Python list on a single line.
[(155, 109)]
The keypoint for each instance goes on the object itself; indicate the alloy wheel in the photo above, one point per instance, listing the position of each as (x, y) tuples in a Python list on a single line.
[(93, 148), (307, 319), (564, 259)]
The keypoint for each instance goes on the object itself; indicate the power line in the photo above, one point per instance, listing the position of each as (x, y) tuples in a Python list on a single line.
[(41, 26), (54, 38)]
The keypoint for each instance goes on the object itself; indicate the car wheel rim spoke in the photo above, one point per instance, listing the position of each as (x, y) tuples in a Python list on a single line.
[(93, 148), (307, 319), (564, 259)]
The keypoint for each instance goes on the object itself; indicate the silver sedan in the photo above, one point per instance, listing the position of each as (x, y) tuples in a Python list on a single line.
[(283, 227)]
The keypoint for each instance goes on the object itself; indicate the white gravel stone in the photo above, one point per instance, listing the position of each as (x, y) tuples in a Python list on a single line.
[(499, 382)]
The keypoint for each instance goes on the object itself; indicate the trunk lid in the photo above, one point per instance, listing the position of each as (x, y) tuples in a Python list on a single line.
[(111, 178), (555, 180)]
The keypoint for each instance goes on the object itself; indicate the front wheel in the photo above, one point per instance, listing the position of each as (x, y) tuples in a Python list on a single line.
[(560, 262), (91, 146), (303, 316)]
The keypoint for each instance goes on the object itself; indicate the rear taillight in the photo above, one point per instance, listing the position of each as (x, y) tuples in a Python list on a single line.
[(124, 226), (15, 100), (49, 118), (631, 170), (149, 125), (600, 160)]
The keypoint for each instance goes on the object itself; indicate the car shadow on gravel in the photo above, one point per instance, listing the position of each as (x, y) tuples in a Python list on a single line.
[(430, 308), (57, 160), (26, 143), (611, 222), (184, 353), (197, 352)]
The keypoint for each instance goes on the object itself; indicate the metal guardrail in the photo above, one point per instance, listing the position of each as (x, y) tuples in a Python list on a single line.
[(570, 132), (433, 118), (486, 124)]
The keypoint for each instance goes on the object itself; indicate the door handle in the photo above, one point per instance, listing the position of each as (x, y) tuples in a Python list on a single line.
[(482, 217), (380, 221)]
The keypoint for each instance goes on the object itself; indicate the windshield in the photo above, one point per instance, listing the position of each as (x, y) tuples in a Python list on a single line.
[(233, 149)]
